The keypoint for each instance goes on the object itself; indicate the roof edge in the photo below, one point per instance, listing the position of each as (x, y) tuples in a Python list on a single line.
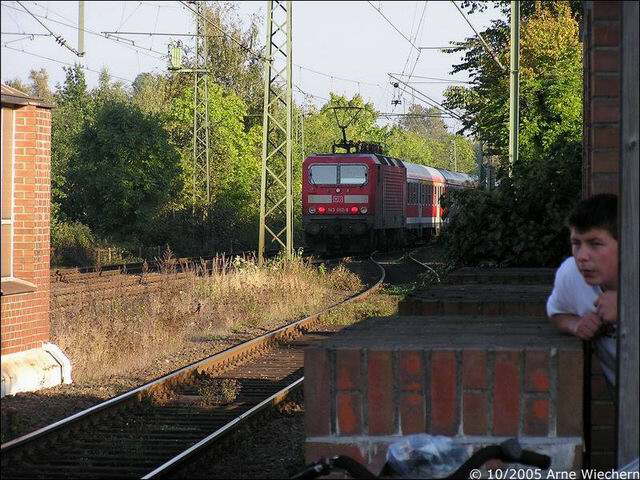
[(17, 100)]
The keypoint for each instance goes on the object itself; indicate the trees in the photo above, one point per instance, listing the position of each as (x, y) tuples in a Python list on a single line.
[(545, 183), (425, 121), (125, 171)]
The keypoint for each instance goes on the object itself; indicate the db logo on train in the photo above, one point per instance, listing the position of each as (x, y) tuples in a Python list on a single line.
[(337, 199)]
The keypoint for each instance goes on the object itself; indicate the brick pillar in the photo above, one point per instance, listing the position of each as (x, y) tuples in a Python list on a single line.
[(477, 379), (25, 316), (601, 157), (602, 97)]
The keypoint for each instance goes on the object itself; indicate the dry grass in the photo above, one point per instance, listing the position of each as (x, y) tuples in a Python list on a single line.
[(114, 337)]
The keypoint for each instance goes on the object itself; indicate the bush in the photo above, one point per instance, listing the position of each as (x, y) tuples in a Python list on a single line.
[(520, 224), (72, 244)]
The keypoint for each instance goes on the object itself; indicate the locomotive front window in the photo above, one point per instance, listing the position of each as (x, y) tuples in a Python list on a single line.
[(353, 174), (323, 174)]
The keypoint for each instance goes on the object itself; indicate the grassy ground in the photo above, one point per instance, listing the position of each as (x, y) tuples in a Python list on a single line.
[(110, 338)]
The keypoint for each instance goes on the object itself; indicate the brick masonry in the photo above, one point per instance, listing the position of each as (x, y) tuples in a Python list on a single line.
[(468, 377), (602, 66), (25, 317), (602, 39)]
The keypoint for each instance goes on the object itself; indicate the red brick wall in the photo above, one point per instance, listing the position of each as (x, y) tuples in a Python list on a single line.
[(601, 146), (532, 392), (25, 317), (602, 97)]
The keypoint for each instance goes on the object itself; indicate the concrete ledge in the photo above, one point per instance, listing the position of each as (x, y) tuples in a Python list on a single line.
[(478, 299), (34, 369), (519, 276)]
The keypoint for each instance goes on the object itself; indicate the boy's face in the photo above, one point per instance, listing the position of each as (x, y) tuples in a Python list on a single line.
[(596, 254)]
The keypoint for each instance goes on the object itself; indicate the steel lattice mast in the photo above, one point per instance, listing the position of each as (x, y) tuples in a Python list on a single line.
[(201, 171), (276, 200)]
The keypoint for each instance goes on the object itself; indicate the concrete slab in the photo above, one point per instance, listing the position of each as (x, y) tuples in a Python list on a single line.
[(479, 299), (451, 332), (501, 275)]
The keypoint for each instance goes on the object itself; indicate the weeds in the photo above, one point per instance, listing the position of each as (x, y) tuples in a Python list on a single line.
[(217, 391), (107, 338)]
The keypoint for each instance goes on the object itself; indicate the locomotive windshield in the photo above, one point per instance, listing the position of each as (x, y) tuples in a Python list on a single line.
[(338, 174), (353, 174), (323, 174)]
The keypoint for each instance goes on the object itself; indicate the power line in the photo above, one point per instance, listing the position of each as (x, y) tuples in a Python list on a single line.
[(336, 77), (66, 63), (24, 34), (431, 78), (484, 43), (417, 115), (424, 9), (150, 34), (437, 105), (130, 15), (240, 44), (391, 23), (162, 55), (58, 38)]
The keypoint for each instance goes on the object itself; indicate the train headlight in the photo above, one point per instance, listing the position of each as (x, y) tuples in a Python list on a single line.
[(364, 209), (354, 209), (312, 210), (321, 210)]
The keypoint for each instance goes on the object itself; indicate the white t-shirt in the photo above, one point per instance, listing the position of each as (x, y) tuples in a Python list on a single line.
[(572, 294)]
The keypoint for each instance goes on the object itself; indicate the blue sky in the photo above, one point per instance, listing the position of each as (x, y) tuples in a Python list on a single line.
[(350, 42)]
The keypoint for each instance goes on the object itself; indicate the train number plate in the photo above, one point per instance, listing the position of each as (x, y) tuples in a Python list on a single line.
[(337, 199)]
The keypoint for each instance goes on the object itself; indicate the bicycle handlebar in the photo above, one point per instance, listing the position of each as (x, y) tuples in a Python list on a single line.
[(508, 451), (324, 466)]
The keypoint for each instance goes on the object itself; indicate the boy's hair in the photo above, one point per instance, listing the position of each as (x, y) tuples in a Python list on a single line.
[(598, 211)]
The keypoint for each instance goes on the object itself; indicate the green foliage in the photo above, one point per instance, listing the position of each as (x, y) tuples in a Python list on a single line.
[(122, 158), (74, 106), (425, 121), (124, 170), (73, 244), (234, 151), (521, 222)]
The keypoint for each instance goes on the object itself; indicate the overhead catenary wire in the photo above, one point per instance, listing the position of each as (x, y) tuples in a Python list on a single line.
[(25, 34), (424, 8), (66, 63), (86, 30), (394, 27), (58, 37), (406, 63), (257, 56), (452, 80), (435, 103), (26, 37), (482, 40)]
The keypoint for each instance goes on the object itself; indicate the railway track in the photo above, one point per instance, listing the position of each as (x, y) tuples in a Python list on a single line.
[(152, 429)]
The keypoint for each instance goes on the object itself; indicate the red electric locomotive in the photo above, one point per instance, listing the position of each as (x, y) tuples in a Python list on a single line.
[(360, 201)]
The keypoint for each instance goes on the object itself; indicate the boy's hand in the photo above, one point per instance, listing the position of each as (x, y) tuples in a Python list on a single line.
[(607, 306), (587, 326)]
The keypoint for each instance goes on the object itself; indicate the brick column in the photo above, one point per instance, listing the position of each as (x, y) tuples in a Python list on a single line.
[(602, 97), (25, 317), (477, 379)]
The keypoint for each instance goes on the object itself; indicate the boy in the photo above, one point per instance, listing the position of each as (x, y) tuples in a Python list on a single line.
[(584, 301)]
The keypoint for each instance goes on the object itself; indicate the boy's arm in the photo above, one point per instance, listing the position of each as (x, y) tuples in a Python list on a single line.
[(585, 327)]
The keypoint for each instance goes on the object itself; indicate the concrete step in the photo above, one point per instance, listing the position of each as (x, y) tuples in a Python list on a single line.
[(478, 299), (452, 332), (468, 275)]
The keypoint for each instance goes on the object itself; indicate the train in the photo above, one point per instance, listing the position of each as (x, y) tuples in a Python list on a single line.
[(363, 201)]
